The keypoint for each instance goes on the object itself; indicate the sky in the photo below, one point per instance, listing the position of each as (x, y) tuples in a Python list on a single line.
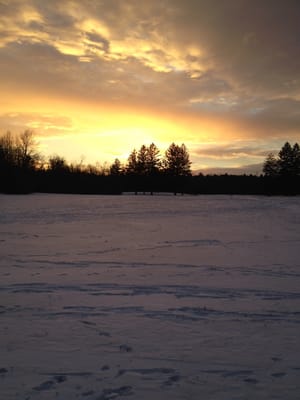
[(96, 78)]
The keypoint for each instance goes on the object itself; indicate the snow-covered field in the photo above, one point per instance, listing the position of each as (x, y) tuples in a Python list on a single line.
[(149, 297)]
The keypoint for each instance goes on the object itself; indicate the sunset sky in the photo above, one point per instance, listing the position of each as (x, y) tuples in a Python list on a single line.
[(96, 78)]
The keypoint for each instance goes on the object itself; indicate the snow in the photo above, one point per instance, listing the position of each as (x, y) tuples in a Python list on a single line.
[(149, 297)]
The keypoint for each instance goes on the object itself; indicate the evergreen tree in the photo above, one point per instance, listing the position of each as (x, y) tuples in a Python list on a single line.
[(116, 167), (271, 167), (132, 163), (177, 161), (153, 161), (296, 157), (286, 160), (142, 158), (144, 162), (286, 164)]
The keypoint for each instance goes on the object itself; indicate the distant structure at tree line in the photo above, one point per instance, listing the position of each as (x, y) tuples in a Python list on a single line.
[(24, 170)]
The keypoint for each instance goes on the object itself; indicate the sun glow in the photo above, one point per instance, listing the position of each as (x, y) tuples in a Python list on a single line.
[(102, 132)]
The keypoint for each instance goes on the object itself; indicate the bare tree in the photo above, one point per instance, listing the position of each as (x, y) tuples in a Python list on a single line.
[(7, 150), (27, 150)]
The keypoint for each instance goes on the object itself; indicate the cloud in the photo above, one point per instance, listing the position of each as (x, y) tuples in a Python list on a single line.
[(231, 151), (235, 63), (282, 113), (43, 124), (242, 45), (250, 42), (254, 169), (239, 156)]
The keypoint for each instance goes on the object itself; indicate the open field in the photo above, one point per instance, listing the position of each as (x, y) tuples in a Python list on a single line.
[(149, 297)]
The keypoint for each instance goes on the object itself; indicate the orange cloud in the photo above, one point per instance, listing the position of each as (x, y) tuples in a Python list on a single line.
[(112, 75)]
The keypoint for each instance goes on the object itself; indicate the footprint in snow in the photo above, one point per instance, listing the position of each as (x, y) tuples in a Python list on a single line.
[(278, 374), (89, 393), (3, 371), (124, 348), (44, 386), (251, 380), (60, 378), (108, 394)]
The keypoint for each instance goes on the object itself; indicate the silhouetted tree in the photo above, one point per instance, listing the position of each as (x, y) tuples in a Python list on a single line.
[(286, 164), (116, 168), (153, 159), (177, 160), (7, 151), (132, 163), (144, 162), (296, 156), (58, 164), (142, 157), (286, 160), (21, 172), (271, 165), (26, 149), (18, 161), (91, 169), (19, 151)]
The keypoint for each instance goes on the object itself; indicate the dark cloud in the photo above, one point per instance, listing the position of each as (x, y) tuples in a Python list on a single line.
[(281, 115), (98, 40), (55, 13), (253, 43), (36, 68)]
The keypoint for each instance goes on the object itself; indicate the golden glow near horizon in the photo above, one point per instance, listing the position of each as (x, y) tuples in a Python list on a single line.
[(97, 79)]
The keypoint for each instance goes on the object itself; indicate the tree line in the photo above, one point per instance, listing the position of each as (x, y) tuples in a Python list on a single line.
[(285, 164), (23, 170), (148, 162)]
